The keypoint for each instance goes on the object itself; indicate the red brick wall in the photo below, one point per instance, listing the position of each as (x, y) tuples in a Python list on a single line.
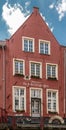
[(35, 28)]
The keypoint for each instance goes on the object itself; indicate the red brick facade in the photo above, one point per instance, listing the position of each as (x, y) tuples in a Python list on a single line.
[(34, 27)]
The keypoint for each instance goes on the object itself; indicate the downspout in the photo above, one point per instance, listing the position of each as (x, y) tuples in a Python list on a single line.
[(64, 81), (3, 76)]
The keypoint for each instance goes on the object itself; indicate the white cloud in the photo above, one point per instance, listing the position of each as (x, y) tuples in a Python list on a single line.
[(49, 25), (60, 7), (14, 16), (51, 6)]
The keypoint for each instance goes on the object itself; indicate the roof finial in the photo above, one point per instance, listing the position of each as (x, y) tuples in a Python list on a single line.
[(35, 9)]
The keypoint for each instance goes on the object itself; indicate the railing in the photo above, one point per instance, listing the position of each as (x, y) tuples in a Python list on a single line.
[(16, 121)]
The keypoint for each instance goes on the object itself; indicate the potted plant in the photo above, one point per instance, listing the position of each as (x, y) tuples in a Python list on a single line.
[(20, 111)]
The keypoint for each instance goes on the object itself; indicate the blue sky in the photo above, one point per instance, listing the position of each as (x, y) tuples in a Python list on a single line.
[(13, 13)]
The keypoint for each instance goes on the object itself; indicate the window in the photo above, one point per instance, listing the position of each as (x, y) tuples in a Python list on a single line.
[(28, 44), (44, 47), (19, 98), (52, 100), (36, 93), (36, 70), (18, 67), (52, 71)]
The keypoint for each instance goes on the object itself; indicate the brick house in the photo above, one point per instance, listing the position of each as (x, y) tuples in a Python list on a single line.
[(33, 76)]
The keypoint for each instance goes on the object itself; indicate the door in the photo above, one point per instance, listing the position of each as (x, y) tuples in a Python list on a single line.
[(35, 107)]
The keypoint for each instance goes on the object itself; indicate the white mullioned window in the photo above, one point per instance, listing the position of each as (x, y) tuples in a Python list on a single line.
[(18, 66), (44, 47), (28, 44), (19, 98), (35, 69), (52, 100), (52, 71), (36, 93)]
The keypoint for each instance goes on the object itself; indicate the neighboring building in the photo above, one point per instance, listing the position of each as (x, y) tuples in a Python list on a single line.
[(32, 77)]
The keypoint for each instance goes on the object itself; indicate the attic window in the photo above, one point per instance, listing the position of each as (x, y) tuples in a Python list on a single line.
[(28, 44), (44, 47)]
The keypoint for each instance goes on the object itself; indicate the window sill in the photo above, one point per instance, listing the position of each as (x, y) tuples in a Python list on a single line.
[(20, 75), (44, 54), (20, 111), (51, 112), (36, 77), (28, 51), (52, 78)]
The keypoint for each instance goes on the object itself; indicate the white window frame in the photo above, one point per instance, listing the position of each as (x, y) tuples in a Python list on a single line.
[(51, 64), (44, 41), (19, 60), (32, 88), (57, 100), (19, 87), (27, 38), (36, 63)]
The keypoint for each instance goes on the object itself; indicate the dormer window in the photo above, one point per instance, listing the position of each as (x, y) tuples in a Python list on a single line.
[(28, 44), (44, 47)]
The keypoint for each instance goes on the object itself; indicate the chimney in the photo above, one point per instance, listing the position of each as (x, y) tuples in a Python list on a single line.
[(35, 10)]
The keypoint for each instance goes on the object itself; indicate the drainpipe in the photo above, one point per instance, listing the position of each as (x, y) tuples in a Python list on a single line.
[(64, 81), (4, 89), (3, 45)]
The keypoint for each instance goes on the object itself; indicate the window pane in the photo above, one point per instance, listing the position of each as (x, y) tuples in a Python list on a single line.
[(48, 71), (22, 103), (16, 66), (54, 95), (49, 94), (54, 71), (25, 45), (30, 46), (46, 48), (38, 69), (21, 91), (32, 69), (21, 67), (49, 104), (16, 103), (42, 48), (16, 92)]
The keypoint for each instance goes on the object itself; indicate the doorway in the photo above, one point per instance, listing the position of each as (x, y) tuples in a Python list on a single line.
[(35, 107)]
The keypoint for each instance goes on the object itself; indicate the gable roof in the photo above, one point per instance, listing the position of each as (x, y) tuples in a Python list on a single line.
[(37, 24)]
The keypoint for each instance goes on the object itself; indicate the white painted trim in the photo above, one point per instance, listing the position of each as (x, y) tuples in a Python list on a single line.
[(57, 98), (19, 87), (14, 65), (40, 98), (46, 42), (28, 38), (35, 63), (56, 69), (56, 117)]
